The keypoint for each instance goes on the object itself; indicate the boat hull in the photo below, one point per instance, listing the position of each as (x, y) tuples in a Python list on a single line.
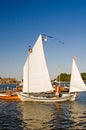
[(26, 97), (3, 97), (73, 96)]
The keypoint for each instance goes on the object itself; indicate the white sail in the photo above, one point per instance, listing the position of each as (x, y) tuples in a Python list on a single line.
[(36, 77), (26, 76), (76, 82)]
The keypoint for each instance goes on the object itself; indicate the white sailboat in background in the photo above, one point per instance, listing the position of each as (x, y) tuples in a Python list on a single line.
[(77, 85), (36, 81)]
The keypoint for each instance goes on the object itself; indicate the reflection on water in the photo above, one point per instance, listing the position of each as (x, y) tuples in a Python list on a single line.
[(39, 116), (78, 115), (54, 116)]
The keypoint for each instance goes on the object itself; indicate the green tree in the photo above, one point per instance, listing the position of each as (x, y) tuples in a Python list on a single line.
[(83, 75), (63, 77)]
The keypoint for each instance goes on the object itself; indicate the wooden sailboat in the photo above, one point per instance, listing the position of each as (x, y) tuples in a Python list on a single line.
[(36, 81)]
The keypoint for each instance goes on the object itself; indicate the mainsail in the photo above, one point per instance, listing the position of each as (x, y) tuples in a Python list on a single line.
[(76, 82), (35, 75)]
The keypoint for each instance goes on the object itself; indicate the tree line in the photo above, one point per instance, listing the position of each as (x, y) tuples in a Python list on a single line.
[(8, 81), (64, 77)]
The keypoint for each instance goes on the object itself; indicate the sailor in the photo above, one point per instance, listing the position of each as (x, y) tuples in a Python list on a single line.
[(57, 91)]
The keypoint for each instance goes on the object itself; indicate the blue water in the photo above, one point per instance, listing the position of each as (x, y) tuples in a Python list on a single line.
[(5, 86), (16, 115)]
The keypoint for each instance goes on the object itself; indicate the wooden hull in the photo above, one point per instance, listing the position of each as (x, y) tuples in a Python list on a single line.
[(6, 97), (26, 97)]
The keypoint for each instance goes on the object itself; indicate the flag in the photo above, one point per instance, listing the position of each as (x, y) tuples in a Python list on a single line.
[(44, 38)]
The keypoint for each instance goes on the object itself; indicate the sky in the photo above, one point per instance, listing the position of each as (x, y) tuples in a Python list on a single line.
[(22, 21)]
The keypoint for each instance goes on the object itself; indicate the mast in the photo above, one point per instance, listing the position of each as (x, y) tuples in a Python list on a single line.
[(59, 76), (29, 52)]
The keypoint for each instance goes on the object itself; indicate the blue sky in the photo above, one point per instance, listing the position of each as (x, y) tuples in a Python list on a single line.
[(21, 22)]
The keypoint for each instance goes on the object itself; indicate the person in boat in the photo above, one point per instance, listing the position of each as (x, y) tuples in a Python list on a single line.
[(57, 91)]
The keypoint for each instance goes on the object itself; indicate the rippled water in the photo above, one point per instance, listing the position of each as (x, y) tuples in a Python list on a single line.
[(39, 116)]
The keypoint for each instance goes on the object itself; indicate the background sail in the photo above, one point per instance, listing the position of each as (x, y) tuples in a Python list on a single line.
[(76, 83), (39, 80)]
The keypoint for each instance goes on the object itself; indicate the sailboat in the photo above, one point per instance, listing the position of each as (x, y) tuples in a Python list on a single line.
[(36, 80), (77, 84)]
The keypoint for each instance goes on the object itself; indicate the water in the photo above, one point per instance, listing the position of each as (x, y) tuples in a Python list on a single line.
[(39, 116), (15, 115), (5, 86)]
